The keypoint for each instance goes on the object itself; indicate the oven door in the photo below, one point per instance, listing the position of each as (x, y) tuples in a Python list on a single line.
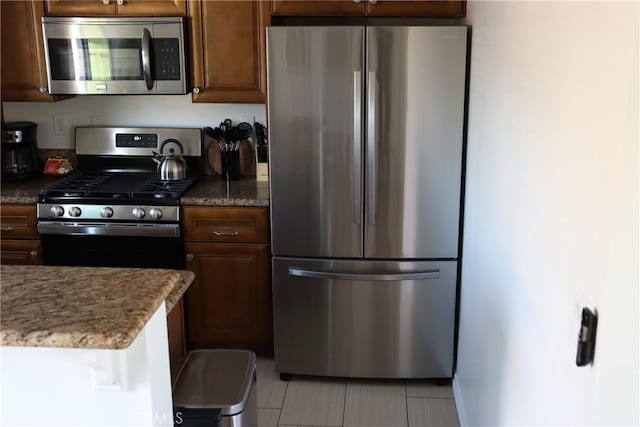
[(115, 55), (100, 249)]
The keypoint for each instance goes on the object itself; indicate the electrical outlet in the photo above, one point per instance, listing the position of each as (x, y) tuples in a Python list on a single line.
[(60, 124)]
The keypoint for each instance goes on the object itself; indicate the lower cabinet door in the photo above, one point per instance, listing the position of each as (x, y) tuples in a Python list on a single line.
[(175, 332), (20, 252), (229, 303)]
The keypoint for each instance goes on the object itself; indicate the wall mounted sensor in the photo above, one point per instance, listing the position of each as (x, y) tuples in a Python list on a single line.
[(587, 337)]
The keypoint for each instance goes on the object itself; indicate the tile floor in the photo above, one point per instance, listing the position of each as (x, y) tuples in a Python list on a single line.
[(306, 401)]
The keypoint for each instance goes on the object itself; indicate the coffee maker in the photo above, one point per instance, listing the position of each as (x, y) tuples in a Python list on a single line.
[(20, 151)]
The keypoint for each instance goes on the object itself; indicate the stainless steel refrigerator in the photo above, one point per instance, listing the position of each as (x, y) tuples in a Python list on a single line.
[(366, 139)]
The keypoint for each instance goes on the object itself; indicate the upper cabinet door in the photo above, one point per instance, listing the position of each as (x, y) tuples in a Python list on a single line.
[(24, 72), (116, 7), (431, 9), (228, 50), (318, 8), (415, 8), (152, 8), (81, 7)]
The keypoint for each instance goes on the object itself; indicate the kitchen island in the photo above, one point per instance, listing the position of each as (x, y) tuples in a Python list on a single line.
[(85, 345)]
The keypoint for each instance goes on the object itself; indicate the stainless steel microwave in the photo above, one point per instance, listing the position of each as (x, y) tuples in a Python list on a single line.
[(116, 56)]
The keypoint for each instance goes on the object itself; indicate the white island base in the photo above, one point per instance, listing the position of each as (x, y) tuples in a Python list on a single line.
[(42, 386)]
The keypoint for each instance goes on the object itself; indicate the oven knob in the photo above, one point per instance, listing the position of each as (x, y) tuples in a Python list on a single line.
[(155, 213), (74, 211), (138, 212), (57, 210), (106, 212)]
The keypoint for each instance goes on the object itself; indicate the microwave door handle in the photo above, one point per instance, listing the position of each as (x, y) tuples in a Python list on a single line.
[(146, 58)]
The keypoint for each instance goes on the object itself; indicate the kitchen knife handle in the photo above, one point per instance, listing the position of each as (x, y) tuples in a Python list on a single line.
[(371, 147), (146, 58), (357, 147), (330, 275)]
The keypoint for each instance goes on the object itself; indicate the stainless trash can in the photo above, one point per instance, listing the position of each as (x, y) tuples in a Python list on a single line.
[(216, 388)]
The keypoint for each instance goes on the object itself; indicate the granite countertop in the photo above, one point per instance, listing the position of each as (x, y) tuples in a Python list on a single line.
[(82, 307), (210, 190), (24, 192)]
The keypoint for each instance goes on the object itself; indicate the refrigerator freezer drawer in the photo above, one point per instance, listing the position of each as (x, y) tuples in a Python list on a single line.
[(372, 319)]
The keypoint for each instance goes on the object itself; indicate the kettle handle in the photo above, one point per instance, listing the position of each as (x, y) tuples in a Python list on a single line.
[(168, 140)]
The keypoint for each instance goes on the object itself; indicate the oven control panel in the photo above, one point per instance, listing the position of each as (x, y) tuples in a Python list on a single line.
[(109, 213), (135, 140)]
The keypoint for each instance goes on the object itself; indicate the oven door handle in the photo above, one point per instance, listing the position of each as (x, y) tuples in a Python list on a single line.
[(113, 229)]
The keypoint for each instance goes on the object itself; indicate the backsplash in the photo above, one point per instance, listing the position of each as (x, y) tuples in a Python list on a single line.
[(140, 110)]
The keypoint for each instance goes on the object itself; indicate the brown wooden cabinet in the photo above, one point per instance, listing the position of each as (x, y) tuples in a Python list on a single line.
[(19, 242), (177, 342), (228, 51), (116, 7), (397, 8), (229, 303), (23, 68)]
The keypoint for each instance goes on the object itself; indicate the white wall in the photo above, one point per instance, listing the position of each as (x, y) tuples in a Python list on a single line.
[(141, 110), (551, 215)]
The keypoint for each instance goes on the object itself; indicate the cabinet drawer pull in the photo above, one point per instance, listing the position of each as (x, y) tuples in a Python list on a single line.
[(6, 228), (226, 233), (33, 254)]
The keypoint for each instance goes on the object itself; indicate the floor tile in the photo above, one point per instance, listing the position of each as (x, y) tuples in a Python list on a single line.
[(426, 389), (318, 402), (268, 417), (375, 403), (432, 412), (270, 389)]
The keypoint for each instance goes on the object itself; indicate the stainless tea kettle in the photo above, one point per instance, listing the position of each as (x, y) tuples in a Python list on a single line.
[(173, 166)]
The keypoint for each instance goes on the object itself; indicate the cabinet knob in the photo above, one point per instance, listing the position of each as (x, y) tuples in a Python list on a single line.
[(357, 1), (373, 1), (33, 254), (190, 257), (120, 2), (196, 90), (42, 89), (105, 2)]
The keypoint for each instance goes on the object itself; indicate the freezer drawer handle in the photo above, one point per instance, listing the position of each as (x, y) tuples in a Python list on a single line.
[(414, 275)]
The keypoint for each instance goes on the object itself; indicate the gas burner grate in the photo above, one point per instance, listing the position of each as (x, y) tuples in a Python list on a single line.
[(116, 185), (80, 184)]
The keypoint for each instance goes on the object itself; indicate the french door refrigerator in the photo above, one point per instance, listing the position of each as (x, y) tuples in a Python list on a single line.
[(366, 136)]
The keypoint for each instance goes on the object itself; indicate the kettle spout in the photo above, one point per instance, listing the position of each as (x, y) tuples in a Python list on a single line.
[(156, 157)]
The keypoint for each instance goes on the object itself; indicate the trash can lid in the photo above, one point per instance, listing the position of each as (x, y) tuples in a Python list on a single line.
[(215, 379)]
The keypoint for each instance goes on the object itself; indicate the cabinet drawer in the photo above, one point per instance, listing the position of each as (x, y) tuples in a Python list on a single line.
[(18, 222), (20, 252), (226, 224)]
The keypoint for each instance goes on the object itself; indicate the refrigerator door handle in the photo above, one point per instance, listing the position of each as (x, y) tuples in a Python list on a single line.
[(357, 146), (371, 147), (414, 275)]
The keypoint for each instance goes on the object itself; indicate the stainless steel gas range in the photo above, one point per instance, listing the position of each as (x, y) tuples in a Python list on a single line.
[(115, 211)]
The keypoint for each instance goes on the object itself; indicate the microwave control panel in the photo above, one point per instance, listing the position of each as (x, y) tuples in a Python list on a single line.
[(166, 58)]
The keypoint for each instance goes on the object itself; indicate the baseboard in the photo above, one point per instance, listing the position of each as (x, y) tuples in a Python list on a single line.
[(460, 408)]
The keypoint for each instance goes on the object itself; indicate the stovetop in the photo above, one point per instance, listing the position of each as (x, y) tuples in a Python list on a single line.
[(116, 188)]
